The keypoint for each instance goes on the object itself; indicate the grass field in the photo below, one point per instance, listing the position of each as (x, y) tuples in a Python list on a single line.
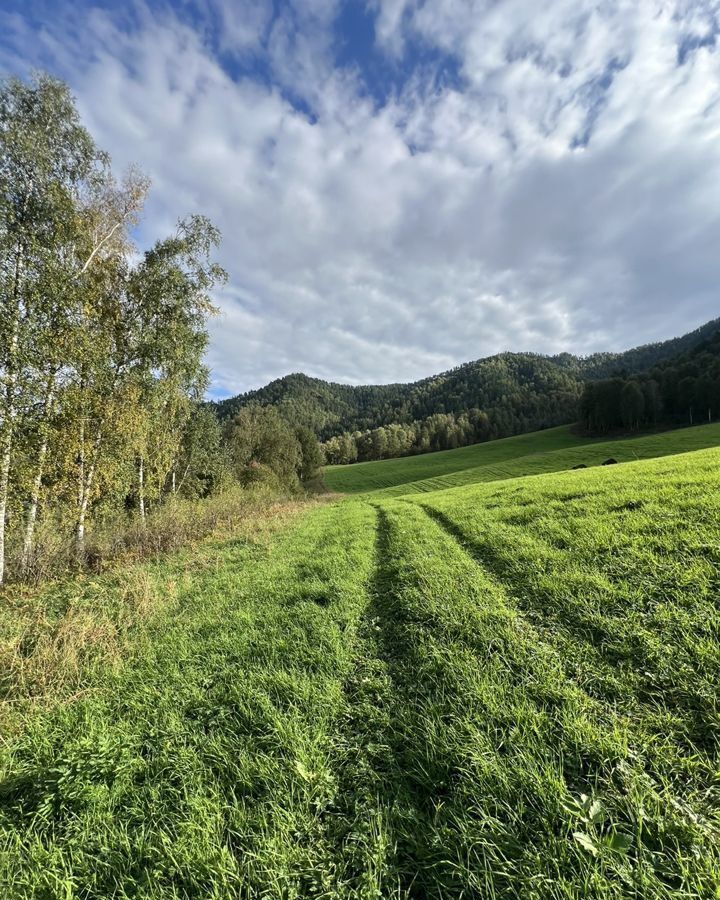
[(552, 450), (504, 689)]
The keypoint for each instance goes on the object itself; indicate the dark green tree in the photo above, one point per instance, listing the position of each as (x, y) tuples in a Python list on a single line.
[(632, 405), (311, 455), (260, 441)]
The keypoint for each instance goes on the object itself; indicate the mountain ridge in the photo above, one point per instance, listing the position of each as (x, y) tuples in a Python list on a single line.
[(541, 389)]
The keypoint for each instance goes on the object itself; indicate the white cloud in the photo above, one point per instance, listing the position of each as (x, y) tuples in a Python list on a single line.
[(241, 24), (563, 194)]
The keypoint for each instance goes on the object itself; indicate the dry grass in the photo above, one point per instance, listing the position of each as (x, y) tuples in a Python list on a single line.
[(125, 538), (57, 636), (52, 642)]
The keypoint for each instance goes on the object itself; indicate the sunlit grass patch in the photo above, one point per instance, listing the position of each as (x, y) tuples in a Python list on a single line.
[(552, 450), (500, 690)]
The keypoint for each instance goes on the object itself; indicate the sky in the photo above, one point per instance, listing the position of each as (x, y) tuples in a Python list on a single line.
[(405, 185)]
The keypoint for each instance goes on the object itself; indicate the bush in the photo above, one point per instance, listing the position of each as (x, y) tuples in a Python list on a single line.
[(123, 536)]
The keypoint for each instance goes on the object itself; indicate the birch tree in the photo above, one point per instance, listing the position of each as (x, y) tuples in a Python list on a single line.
[(100, 354), (45, 154), (146, 337)]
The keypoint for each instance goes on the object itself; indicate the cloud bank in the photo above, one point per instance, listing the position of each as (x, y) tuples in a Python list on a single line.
[(405, 185)]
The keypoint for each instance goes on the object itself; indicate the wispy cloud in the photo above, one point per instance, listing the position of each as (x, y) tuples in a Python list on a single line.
[(531, 178)]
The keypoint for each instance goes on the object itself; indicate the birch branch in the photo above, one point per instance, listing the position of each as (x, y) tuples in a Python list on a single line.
[(99, 246)]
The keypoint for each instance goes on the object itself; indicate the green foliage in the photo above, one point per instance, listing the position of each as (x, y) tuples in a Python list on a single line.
[(203, 465), (511, 393), (632, 405), (48, 166), (261, 443), (100, 352), (311, 455), (517, 392), (258, 439), (684, 389), (642, 359)]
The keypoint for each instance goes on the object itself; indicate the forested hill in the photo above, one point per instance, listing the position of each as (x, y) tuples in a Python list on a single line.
[(640, 359), (684, 389), (519, 391)]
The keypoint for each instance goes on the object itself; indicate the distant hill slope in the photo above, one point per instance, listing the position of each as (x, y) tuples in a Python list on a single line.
[(528, 389), (553, 450)]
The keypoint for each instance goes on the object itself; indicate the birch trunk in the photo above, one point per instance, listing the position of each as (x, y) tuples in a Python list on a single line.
[(11, 377), (5, 480), (85, 487), (37, 481), (182, 480), (141, 488)]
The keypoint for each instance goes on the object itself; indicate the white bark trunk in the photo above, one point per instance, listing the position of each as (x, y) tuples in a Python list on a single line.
[(11, 377), (4, 482), (40, 471), (141, 488), (85, 487), (185, 475), (98, 247)]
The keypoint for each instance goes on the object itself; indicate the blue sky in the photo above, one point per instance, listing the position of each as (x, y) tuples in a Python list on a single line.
[(404, 185)]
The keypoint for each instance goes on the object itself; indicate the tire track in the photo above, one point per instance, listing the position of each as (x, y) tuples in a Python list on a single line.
[(589, 651), (385, 822), (464, 737), (357, 825)]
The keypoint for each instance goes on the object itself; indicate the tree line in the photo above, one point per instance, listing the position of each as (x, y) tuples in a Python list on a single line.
[(522, 385), (440, 431), (526, 387), (682, 390), (101, 347)]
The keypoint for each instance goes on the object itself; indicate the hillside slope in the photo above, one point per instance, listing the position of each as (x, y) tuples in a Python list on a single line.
[(532, 389), (552, 450), (500, 690)]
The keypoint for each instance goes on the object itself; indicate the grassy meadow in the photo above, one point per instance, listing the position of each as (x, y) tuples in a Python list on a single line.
[(507, 688), (551, 450)]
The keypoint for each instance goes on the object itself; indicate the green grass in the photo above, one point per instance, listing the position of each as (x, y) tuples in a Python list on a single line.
[(528, 454), (506, 689), (201, 767), (385, 473)]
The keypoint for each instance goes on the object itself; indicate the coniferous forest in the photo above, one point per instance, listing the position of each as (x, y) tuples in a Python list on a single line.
[(512, 393), (684, 389)]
